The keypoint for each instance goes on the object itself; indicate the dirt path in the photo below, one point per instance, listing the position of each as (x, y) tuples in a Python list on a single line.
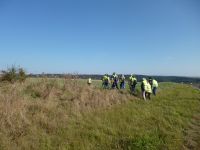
[(192, 139)]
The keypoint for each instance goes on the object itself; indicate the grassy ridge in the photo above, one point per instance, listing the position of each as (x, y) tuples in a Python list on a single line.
[(49, 114), (157, 124)]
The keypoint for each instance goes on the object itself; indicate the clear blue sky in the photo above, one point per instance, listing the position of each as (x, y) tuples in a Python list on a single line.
[(154, 37)]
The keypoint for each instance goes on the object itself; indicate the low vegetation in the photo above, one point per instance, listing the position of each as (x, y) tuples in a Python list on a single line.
[(67, 114), (13, 74)]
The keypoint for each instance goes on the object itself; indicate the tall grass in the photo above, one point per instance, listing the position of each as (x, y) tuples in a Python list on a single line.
[(67, 114)]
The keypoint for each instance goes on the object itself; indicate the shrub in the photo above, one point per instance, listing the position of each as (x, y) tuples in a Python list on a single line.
[(13, 74), (21, 75)]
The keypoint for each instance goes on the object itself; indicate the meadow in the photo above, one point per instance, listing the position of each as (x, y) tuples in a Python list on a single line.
[(44, 113)]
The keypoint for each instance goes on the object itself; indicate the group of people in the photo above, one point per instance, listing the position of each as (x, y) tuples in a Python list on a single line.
[(148, 86), (119, 82)]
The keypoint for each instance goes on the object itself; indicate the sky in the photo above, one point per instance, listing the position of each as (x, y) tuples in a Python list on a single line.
[(152, 37)]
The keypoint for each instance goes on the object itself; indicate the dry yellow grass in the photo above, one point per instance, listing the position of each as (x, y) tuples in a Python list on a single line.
[(46, 104), (67, 114)]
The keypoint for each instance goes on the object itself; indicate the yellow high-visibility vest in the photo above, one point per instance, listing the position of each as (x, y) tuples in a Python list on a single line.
[(105, 78), (148, 88), (132, 79), (145, 84), (155, 83), (89, 80), (108, 79)]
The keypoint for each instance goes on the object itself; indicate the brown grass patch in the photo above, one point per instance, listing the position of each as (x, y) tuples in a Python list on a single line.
[(45, 105)]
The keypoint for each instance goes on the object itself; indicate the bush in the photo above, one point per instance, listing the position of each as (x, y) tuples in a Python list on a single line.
[(14, 74), (21, 75)]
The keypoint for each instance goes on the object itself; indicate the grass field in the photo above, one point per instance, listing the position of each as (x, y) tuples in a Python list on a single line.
[(67, 114)]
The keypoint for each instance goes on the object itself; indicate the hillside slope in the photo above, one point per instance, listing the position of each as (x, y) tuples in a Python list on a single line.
[(67, 114)]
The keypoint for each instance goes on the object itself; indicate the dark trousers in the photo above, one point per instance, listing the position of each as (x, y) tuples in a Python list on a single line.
[(122, 85), (115, 85), (105, 85), (154, 91), (132, 88)]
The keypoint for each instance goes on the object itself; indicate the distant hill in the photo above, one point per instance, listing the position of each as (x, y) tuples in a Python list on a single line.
[(176, 79)]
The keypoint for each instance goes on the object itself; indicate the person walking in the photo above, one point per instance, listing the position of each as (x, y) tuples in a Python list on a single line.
[(105, 81), (89, 82), (122, 82), (115, 81), (132, 83), (146, 89), (154, 85), (143, 87)]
